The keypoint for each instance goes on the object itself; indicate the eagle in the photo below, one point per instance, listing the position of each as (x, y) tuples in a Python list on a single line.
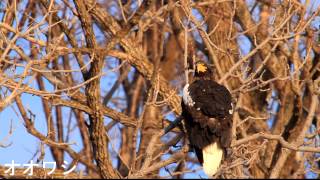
[(207, 114)]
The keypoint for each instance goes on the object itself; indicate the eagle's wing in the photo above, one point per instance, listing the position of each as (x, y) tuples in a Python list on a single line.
[(211, 98), (211, 112)]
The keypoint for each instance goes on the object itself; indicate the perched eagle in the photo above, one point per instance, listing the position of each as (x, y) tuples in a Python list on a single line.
[(207, 113)]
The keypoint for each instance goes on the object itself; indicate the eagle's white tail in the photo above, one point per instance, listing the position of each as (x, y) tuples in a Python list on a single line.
[(212, 156)]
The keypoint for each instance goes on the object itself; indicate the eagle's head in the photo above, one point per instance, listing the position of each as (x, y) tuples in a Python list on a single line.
[(202, 70)]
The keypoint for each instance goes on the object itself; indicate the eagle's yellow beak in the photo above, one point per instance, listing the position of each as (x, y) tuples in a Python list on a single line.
[(201, 68)]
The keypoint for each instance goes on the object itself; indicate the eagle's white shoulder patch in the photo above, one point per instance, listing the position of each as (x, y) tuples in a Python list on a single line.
[(187, 100), (231, 110)]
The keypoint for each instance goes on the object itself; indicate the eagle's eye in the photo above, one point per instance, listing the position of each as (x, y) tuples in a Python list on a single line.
[(201, 68)]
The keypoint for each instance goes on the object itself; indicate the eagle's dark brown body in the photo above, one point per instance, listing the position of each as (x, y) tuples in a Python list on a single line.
[(207, 112)]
